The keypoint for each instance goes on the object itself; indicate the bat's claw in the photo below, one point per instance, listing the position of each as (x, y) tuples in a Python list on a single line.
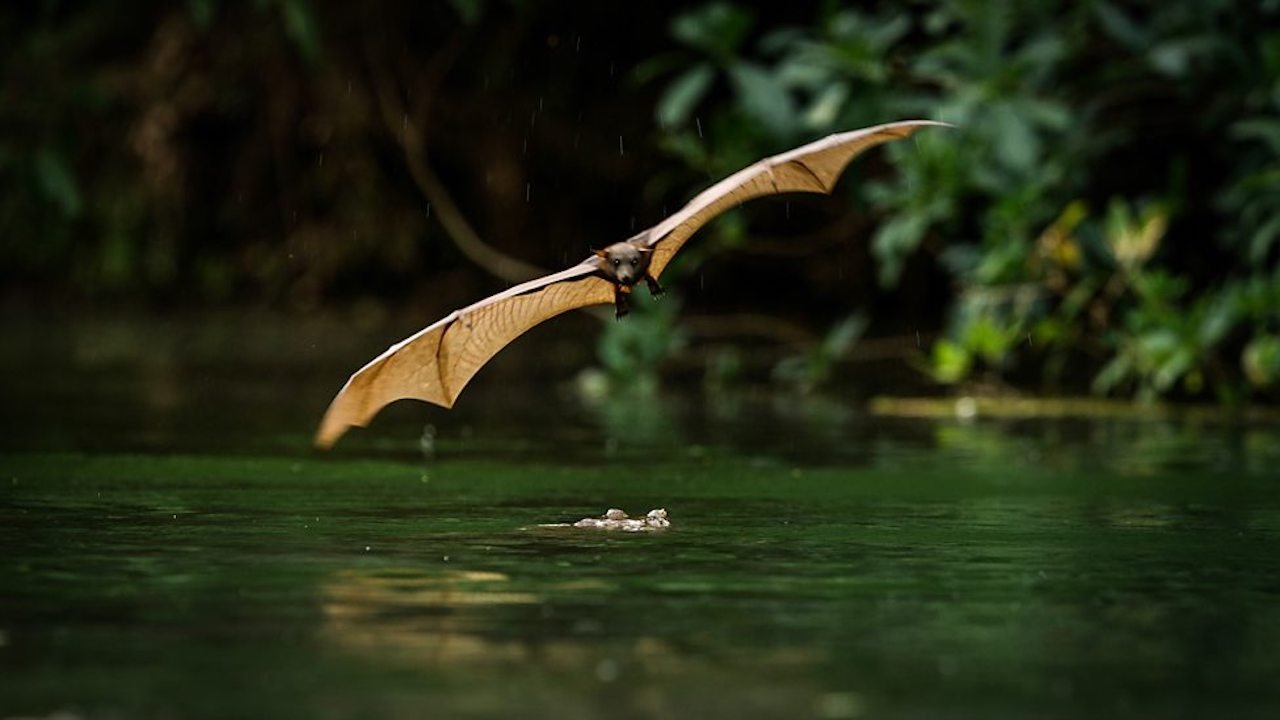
[(654, 288)]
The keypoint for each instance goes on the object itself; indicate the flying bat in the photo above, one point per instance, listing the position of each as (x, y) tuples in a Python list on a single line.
[(437, 362)]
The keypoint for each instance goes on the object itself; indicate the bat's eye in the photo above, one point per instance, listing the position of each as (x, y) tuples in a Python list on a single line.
[(616, 262), (634, 262)]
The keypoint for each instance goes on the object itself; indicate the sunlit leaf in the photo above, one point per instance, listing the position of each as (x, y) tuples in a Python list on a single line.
[(1261, 360), (951, 362), (825, 108)]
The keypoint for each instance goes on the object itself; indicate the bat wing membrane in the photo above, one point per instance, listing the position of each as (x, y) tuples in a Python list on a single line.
[(435, 363), (810, 168)]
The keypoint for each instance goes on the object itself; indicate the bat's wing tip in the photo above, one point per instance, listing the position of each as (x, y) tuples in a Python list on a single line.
[(913, 124), (328, 434)]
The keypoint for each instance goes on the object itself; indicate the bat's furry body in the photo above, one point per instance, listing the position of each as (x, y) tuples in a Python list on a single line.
[(437, 362)]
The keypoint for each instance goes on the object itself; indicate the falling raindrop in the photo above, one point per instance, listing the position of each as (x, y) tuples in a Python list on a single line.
[(698, 121), (526, 192), (320, 161), (525, 150), (577, 44), (620, 150), (539, 103), (428, 209), (917, 338), (633, 222)]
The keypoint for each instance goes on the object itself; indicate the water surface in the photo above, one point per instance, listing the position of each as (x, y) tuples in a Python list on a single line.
[(175, 550)]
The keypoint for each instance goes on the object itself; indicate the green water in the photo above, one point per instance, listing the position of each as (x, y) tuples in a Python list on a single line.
[(182, 554)]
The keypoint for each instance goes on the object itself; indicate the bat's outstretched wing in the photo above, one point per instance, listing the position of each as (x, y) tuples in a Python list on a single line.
[(810, 168), (438, 361)]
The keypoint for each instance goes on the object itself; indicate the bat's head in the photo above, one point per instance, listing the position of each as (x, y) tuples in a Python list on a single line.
[(625, 263)]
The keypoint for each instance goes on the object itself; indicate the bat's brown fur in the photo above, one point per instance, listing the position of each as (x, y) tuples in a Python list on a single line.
[(627, 263), (437, 362)]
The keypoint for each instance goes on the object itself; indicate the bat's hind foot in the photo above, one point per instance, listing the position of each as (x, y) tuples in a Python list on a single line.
[(620, 305), (654, 288)]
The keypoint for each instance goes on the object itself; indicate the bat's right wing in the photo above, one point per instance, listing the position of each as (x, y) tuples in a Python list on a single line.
[(810, 168), (437, 362)]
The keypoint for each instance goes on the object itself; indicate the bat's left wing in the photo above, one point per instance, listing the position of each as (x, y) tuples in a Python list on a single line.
[(810, 168), (437, 362)]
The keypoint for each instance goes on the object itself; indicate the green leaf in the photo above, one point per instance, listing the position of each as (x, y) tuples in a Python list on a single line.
[(763, 97), (301, 27), (951, 363), (57, 181), (894, 240), (1261, 361), (717, 29), (683, 94), (1113, 373), (468, 10)]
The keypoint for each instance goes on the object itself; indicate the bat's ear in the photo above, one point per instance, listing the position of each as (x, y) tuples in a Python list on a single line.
[(645, 250), (599, 253)]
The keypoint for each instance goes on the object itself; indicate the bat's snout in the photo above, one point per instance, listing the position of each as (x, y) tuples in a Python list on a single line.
[(626, 274)]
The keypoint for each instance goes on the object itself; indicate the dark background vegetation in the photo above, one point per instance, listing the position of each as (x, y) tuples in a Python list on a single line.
[(1105, 218)]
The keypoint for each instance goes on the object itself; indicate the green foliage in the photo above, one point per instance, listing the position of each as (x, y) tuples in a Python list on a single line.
[(632, 350), (1052, 101), (805, 373)]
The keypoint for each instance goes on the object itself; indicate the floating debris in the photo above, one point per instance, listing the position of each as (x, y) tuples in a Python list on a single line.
[(616, 519)]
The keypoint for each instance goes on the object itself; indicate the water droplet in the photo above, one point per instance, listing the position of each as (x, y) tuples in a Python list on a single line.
[(526, 192), (620, 150), (698, 121)]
